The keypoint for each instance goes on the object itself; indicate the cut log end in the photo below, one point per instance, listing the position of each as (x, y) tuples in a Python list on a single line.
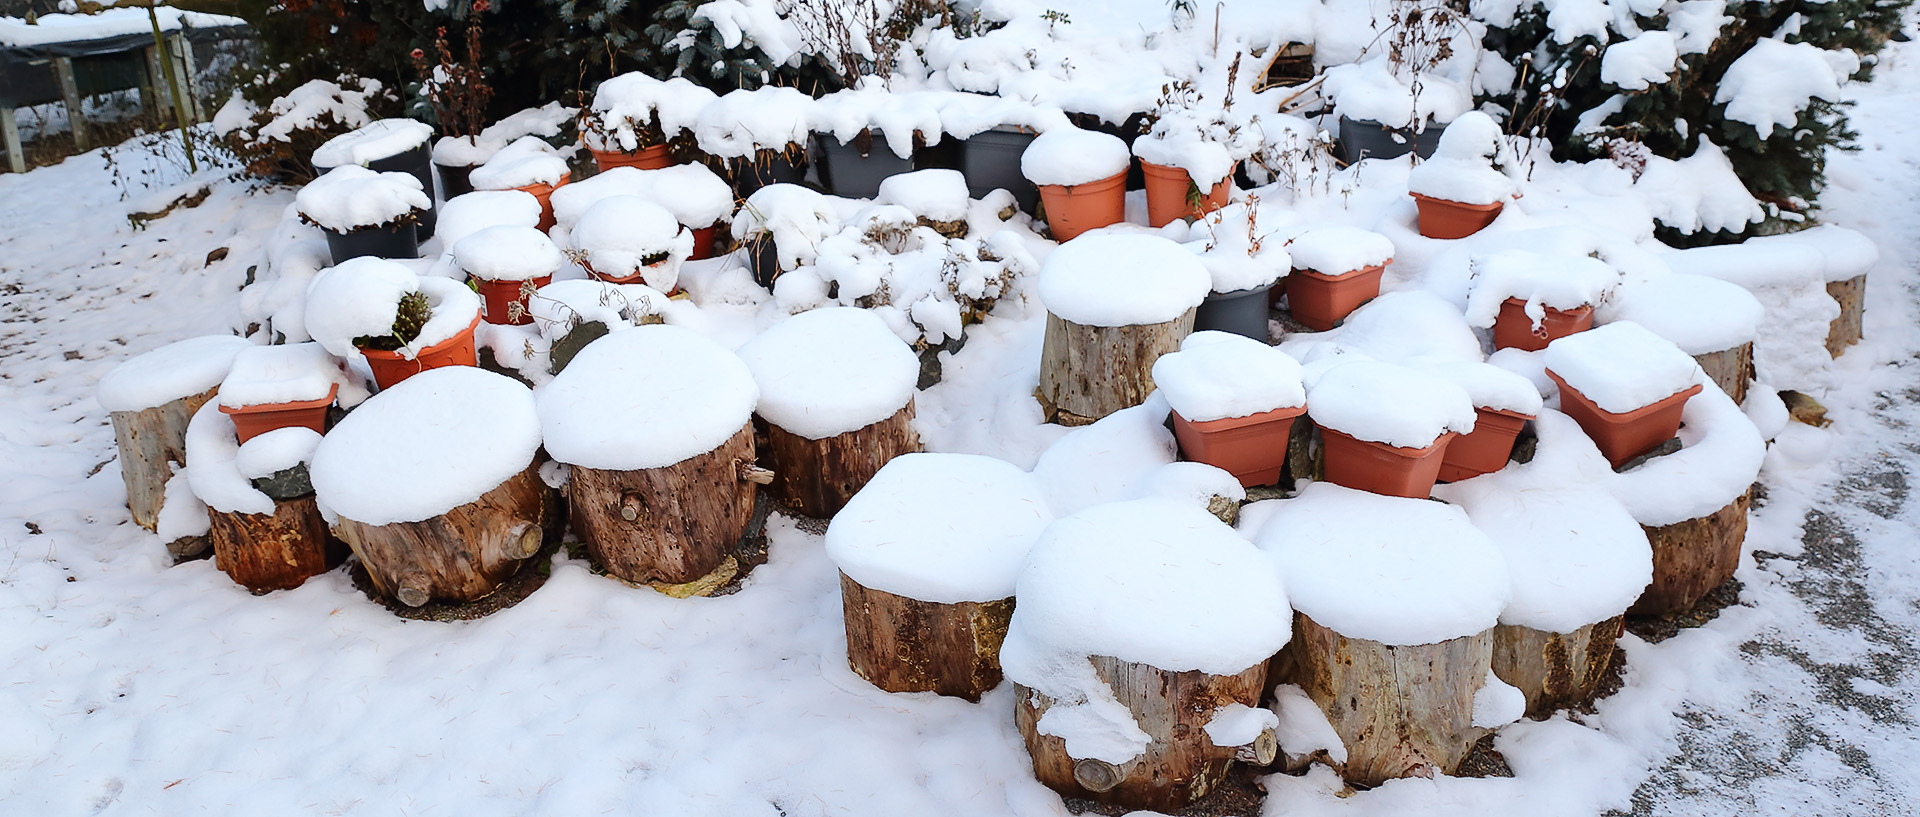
[(1262, 751), (413, 592), (1096, 775)]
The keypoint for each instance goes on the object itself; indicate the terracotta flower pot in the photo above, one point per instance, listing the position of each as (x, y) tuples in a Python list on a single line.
[(1319, 300), (544, 193), (1621, 437), (389, 368), (1380, 468), (1252, 448), (1487, 448), (702, 243), (1514, 330), (1077, 208), (252, 421), (500, 296), (653, 158), (1440, 218), (1169, 196)]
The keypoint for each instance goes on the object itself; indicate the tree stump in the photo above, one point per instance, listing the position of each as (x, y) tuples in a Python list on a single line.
[(1692, 557), (1401, 711), (151, 442), (669, 525), (817, 477), (1089, 372), (1180, 766), (461, 555), (907, 645), (1731, 369), (276, 551), (1555, 670), (1846, 330)]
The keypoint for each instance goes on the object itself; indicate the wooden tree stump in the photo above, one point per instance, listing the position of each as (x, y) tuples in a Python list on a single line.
[(670, 525), (275, 551), (1180, 766), (907, 645), (1555, 670), (1730, 369), (151, 442), (461, 555), (1401, 711), (1846, 330), (1692, 557), (817, 477), (1089, 372)]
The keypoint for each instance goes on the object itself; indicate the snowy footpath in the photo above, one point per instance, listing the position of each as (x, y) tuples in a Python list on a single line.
[(128, 686)]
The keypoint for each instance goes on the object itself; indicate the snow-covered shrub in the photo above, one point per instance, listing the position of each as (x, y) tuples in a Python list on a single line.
[(277, 141)]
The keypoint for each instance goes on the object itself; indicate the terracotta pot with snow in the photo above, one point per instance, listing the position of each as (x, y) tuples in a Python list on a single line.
[(1385, 427), (928, 553), (1115, 304), (527, 164), (506, 264), (1624, 385), (1082, 177), (365, 212), (1531, 299), (641, 122), (401, 323), (1397, 600), (1713, 320), (1460, 190), (1503, 402), (273, 387), (629, 240), (1148, 626), (1234, 400), (467, 214), (1335, 270), (260, 510), (1187, 163), (781, 227), (386, 145), (696, 197)]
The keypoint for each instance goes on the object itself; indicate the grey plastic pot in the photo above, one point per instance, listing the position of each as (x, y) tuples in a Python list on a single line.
[(394, 241), (1367, 139), (752, 176), (845, 172), (991, 160), (418, 163), (1242, 312)]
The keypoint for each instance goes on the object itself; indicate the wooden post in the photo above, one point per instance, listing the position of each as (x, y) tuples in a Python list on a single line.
[(157, 84), (276, 551), (10, 138), (1401, 711), (907, 645), (1730, 369), (817, 477), (1555, 670), (1692, 557), (1846, 330), (463, 554), (1180, 766), (670, 525), (151, 442), (70, 92), (182, 52), (1089, 372)]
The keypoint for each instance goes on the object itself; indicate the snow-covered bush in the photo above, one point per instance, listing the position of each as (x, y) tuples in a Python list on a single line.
[(277, 141)]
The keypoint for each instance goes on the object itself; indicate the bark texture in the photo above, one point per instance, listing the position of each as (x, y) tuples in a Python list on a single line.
[(275, 551), (817, 477), (1730, 369), (460, 555), (151, 441), (669, 525), (907, 645), (1089, 372), (1693, 557), (1846, 330), (1555, 670)]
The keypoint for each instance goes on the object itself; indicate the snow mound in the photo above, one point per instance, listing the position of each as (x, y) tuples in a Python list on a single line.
[(891, 117), (469, 213), (508, 253), (1331, 249), (562, 305), (936, 194), (1699, 314), (624, 235), (1720, 456), (692, 193), (1111, 460), (1700, 192), (626, 105), (1460, 170), (646, 398), (831, 371), (1557, 281), (1217, 375), (1641, 62), (1122, 279), (1490, 386), (275, 451), (1406, 324), (1621, 366), (525, 162), (1069, 156), (1389, 403), (212, 447), (350, 197), (376, 140), (362, 297), (179, 369), (740, 123), (1775, 80), (295, 372), (797, 218)]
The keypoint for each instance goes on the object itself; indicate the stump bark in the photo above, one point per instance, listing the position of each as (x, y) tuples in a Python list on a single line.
[(1692, 557), (817, 477), (151, 441), (1401, 711), (669, 525), (461, 555), (1555, 670), (907, 645), (1089, 372), (1730, 369), (276, 551), (1846, 330), (1180, 766)]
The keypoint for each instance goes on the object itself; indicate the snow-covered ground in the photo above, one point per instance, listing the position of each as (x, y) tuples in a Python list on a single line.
[(129, 687)]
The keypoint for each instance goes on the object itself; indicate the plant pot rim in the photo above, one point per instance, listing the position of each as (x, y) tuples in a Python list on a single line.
[(1117, 178), (1366, 270), (1461, 204), (1522, 303), (1231, 423), (333, 390), (1627, 416), (1404, 451), (1517, 415), (395, 354)]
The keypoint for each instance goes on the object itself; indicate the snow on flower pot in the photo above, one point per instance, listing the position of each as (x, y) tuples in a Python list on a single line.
[(781, 227), (836, 389), (455, 157), (1385, 427), (1713, 320), (1335, 270), (390, 366), (150, 399), (864, 135), (928, 553), (430, 514), (470, 213), (262, 542), (1515, 329), (398, 145), (990, 160), (273, 387), (507, 262), (1503, 402), (655, 422), (937, 198), (1140, 638), (1460, 191), (1082, 177), (630, 240), (1243, 274), (1396, 602), (1234, 400), (1446, 218), (1173, 194), (1115, 304), (1624, 385), (761, 136), (1531, 299), (364, 212), (695, 197), (855, 168), (1187, 160), (401, 323), (637, 121), (1368, 139), (530, 165)]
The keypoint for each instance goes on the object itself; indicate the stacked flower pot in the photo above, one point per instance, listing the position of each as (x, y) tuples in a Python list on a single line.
[(398, 323), (365, 212), (1234, 401), (528, 164)]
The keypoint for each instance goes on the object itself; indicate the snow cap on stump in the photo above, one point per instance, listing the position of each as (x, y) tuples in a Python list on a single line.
[(941, 528), (508, 253), (1701, 315), (369, 143), (1218, 375), (647, 397), (469, 213), (1069, 156), (1122, 279), (350, 197), (831, 371), (179, 369), (1398, 571), (1621, 366), (1381, 402), (436, 441)]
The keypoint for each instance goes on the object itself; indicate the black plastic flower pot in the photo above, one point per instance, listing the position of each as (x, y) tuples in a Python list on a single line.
[(846, 172), (1367, 139), (991, 160), (417, 162), (453, 180), (395, 241), (782, 169), (763, 259), (1242, 312)]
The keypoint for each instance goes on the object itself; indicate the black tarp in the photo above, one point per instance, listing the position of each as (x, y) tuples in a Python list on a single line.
[(99, 65)]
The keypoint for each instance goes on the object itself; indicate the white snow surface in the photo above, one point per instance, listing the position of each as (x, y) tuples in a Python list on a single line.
[(1542, 280), (617, 234), (1116, 458), (1390, 403), (893, 119), (1398, 571), (1206, 161), (294, 372), (1333, 249), (1621, 366), (1700, 192), (181, 513), (1070, 156), (350, 197), (1769, 85), (1641, 61), (275, 451), (1699, 314), (830, 371), (1217, 375), (1122, 279), (179, 369), (937, 194), (469, 213), (1237, 724), (691, 192), (941, 528), (103, 24), (1487, 385), (742, 122), (645, 398), (523, 162), (1497, 703), (1406, 324), (379, 139), (626, 105), (508, 252), (1303, 727), (211, 449)]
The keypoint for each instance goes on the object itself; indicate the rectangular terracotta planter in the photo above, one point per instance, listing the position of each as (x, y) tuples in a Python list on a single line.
[(1442, 218), (1252, 448), (1514, 330), (252, 421), (1320, 301), (1383, 469), (1621, 437), (1487, 448)]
